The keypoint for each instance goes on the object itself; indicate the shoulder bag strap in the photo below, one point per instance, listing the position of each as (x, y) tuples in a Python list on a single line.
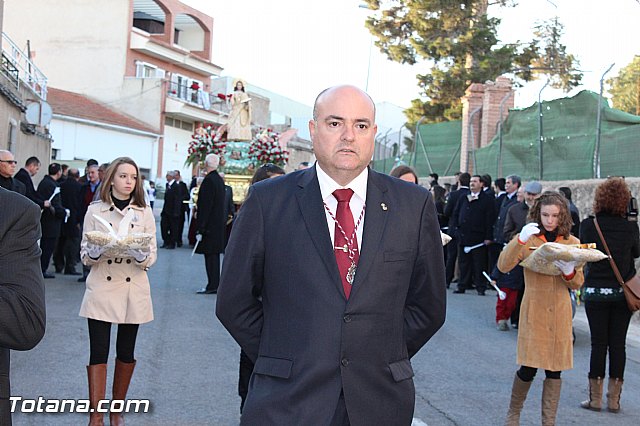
[(604, 243)]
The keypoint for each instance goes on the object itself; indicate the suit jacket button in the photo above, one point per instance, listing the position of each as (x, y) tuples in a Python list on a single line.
[(128, 279), (128, 260), (108, 278), (347, 318), (109, 261), (344, 362)]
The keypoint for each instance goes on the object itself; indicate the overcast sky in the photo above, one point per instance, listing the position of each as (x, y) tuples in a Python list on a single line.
[(298, 48)]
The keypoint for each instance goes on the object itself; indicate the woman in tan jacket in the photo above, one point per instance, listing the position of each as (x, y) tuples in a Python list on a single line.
[(545, 336), (117, 287)]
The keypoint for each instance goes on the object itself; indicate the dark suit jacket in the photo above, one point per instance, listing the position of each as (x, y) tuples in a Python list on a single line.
[(51, 221), (183, 195), (70, 191), (211, 214), (24, 177), (172, 201), (498, 227), (473, 220), (281, 298), (452, 200), (22, 308), (516, 219), (13, 184)]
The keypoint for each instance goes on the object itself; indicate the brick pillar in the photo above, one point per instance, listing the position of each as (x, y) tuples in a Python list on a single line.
[(472, 100), (494, 93)]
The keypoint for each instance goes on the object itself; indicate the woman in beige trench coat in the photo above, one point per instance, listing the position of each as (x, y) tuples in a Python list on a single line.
[(117, 287), (545, 335)]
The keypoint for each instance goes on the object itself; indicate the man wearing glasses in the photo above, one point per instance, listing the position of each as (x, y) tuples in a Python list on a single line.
[(7, 170)]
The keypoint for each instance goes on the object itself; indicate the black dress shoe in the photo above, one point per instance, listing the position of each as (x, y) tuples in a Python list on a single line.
[(72, 273), (481, 293), (47, 275), (205, 291), (82, 279), (459, 291)]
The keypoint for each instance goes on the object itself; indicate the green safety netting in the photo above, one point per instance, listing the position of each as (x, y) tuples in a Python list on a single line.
[(441, 142), (569, 139)]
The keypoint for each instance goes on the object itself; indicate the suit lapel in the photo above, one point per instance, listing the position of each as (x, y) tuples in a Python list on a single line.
[(375, 220), (310, 203)]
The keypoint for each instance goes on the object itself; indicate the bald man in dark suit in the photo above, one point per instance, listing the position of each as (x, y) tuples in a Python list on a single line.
[(333, 279)]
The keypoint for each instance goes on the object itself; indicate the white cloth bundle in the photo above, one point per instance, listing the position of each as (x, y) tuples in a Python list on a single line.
[(541, 260), (118, 243)]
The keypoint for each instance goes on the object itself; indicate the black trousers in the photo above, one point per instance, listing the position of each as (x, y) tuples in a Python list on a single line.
[(527, 374), (212, 264), (100, 338), (170, 229), (452, 256), (47, 245), (67, 254), (471, 266), (608, 323)]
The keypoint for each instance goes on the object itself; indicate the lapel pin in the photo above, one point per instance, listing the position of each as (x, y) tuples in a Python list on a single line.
[(384, 206)]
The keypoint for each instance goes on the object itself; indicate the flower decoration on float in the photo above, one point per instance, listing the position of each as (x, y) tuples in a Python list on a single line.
[(265, 148), (207, 139)]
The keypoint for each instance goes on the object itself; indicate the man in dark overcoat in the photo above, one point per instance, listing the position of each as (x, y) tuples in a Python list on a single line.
[(171, 212), (52, 216), (473, 225), (22, 305), (69, 243), (211, 223)]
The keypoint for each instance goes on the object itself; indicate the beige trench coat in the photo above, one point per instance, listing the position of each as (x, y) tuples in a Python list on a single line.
[(118, 288), (545, 338)]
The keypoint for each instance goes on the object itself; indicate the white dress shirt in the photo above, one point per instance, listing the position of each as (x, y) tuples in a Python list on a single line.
[(356, 204)]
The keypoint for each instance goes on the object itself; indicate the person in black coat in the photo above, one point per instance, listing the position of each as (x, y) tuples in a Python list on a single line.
[(183, 195), (171, 212), (509, 198), (22, 304), (473, 225), (66, 256), (24, 175), (52, 216), (211, 223), (604, 299), (452, 201)]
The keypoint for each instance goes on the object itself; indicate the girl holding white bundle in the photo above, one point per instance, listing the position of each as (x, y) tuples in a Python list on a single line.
[(117, 287), (545, 337)]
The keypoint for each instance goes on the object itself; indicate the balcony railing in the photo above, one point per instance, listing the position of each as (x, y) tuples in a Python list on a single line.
[(198, 97), (17, 66)]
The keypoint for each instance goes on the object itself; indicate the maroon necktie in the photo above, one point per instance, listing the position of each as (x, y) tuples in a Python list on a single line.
[(341, 248)]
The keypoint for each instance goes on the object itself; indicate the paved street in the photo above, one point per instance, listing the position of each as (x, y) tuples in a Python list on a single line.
[(187, 363)]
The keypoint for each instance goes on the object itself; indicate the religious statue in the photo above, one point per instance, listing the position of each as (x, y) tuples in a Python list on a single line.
[(239, 123)]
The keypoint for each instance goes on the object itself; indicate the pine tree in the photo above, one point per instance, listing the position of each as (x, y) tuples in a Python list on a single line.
[(459, 40)]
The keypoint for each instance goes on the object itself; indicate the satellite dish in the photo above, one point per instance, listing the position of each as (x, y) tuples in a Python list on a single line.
[(46, 113), (32, 114), (39, 113)]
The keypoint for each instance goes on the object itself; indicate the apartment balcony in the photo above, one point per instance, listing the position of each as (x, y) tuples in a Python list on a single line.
[(141, 41), (20, 71), (193, 104)]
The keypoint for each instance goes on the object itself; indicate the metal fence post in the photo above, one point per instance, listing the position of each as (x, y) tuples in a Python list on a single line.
[(540, 134), (596, 151)]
